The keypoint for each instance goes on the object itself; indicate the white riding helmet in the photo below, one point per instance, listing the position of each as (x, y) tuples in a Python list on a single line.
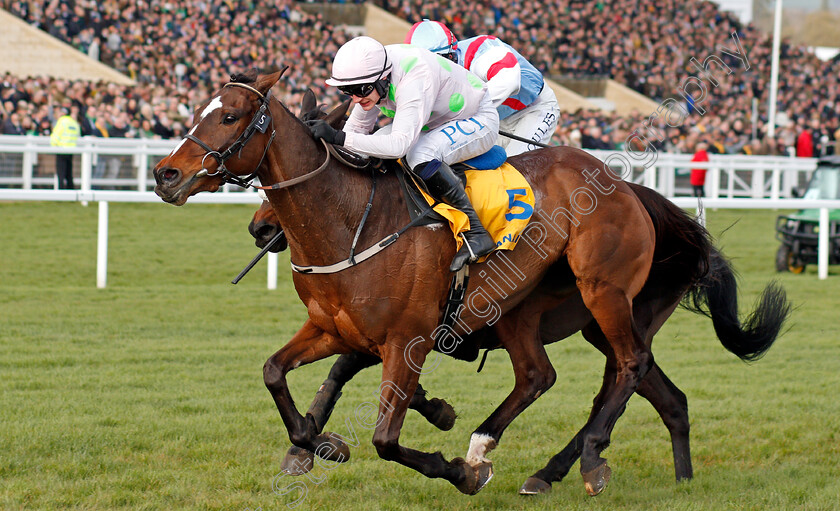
[(360, 60), (432, 35)]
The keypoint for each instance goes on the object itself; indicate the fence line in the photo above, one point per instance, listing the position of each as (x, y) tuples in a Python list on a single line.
[(106, 196), (101, 166)]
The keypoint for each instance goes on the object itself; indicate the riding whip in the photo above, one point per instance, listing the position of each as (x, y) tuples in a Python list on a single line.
[(521, 139), (259, 256)]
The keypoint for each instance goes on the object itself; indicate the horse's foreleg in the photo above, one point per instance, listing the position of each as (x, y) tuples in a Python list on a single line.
[(438, 412), (518, 330), (308, 345), (399, 382), (345, 368), (298, 460)]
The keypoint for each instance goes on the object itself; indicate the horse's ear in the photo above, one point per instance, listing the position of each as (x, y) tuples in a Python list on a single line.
[(266, 82), (309, 102), (335, 117)]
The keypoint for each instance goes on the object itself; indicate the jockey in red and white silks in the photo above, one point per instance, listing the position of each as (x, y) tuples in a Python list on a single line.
[(527, 108)]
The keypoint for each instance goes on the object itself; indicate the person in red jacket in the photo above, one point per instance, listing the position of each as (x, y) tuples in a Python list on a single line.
[(698, 176), (804, 142)]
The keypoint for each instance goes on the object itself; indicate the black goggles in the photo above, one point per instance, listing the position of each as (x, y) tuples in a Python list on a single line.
[(361, 90)]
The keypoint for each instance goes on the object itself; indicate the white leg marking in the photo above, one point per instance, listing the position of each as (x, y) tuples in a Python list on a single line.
[(480, 445)]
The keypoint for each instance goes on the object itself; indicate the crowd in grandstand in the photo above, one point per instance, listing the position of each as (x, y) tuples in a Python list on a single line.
[(644, 44), (148, 41)]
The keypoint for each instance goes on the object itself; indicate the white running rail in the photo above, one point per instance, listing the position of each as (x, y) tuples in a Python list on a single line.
[(103, 197)]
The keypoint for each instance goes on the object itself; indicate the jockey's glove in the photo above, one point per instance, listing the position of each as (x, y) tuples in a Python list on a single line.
[(321, 130)]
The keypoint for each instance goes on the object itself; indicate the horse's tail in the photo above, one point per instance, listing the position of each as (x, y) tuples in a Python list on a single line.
[(681, 256), (716, 296), (686, 262)]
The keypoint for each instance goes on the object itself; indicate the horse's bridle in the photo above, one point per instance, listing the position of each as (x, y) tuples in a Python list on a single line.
[(260, 122)]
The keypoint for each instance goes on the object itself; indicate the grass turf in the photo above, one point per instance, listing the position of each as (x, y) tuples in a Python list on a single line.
[(149, 394)]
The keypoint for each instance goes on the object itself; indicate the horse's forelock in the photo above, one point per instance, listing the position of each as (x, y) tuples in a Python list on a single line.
[(249, 76), (316, 113)]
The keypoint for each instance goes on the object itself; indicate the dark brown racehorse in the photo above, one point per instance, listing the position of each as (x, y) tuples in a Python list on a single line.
[(590, 237)]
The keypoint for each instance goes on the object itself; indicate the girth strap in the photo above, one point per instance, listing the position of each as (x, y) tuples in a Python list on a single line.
[(365, 254)]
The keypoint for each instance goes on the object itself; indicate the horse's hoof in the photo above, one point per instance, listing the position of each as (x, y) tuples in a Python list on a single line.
[(470, 483), (484, 472), (535, 486), (596, 479), (331, 448), (297, 462), (444, 416), (476, 477)]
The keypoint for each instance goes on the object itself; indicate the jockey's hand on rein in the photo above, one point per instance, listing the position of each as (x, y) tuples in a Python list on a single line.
[(321, 130)]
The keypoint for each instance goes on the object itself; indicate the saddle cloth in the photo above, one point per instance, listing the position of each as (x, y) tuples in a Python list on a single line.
[(502, 198)]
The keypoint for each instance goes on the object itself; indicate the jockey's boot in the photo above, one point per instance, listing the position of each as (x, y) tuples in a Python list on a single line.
[(445, 186)]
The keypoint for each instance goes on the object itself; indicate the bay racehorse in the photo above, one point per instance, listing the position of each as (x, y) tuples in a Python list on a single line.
[(589, 237), (676, 276)]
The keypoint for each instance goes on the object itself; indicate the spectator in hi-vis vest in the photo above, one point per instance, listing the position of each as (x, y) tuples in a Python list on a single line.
[(65, 133)]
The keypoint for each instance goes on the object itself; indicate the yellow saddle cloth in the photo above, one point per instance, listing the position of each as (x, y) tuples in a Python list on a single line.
[(503, 200)]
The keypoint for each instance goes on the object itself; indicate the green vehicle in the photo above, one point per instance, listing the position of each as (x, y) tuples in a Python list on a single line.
[(799, 232)]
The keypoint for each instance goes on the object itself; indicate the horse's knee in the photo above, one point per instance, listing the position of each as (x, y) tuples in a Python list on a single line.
[(540, 380), (386, 448), (348, 365), (272, 373), (636, 368)]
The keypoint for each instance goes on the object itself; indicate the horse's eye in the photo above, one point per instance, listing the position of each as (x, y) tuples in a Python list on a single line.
[(229, 119)]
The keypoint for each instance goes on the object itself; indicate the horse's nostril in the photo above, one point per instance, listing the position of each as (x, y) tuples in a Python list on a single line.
[(266, 232), (170, 174)]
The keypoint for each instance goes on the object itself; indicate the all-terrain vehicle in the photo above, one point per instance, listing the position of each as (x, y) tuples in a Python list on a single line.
[(799, 232)]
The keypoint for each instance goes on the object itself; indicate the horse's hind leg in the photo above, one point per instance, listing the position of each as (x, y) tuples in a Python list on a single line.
[(612, 309), (665, 397), (562, 462), (672, 406), (650, 313)]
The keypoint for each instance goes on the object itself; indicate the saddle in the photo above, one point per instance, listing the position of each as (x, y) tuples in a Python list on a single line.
[(411, 186)]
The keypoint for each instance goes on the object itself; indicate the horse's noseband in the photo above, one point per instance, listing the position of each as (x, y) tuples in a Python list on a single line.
[(260, 122)]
